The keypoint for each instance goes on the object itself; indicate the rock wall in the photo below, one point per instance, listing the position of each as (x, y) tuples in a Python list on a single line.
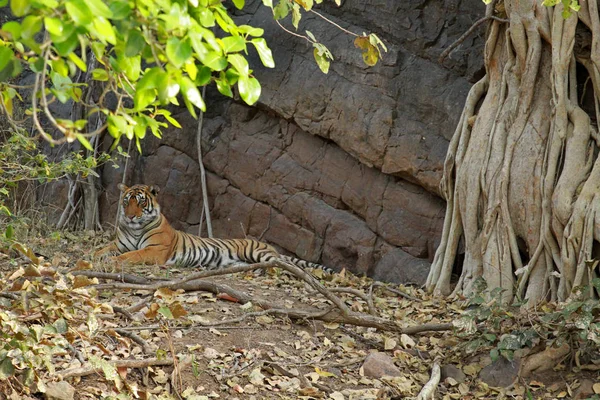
[(341, 169)]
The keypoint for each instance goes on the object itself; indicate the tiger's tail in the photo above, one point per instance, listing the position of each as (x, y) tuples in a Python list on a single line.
[(306, 264)]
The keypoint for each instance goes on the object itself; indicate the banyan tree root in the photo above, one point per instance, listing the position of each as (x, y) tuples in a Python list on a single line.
[(522, 169), (428, 390), (339, 312)]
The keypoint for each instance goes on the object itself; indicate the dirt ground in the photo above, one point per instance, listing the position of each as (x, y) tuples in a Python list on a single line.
[(250, 357)]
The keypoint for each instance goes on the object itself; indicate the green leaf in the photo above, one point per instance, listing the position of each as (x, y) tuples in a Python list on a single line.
[(207, 18), (166, 312), (61, 326), (143, 98), (233, 44), (268, 3), (78, 61), (14, 28), (167, 88), (20, 7), (60, 66), (98, 49), (117, 125), (264, 52), (322, 61), (224, 87), (239, 4), (53, 26), (203, 76), (191, 93), (135, 43), (68, 30), (249, 89), (191, 69), (214, 61), (105, 30), (109, 370), (494, 354), (3, 3), (282, 9), (296, 16), (47, 3), (99, 9), (132, 66), (9, 232), (99, 75), (250, 30), (30, 26), (7, 369), (60, 82), (239, 63), (6, 56), (140, 128), (65, 47), (120, 9), (12, 69), (79, 12), (168, 117), (148, 81), (82, 139), (178, 51)]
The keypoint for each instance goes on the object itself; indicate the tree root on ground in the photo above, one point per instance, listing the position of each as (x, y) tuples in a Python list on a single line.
[(428, 390), (339, 312)]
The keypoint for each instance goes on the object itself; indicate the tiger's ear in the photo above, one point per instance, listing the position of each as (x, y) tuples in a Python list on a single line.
[(122, 187), (154, 189)]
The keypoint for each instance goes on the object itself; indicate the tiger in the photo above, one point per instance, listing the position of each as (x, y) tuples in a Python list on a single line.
[(145, 236)]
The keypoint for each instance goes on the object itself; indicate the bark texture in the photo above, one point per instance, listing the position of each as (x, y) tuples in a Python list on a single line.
[(522, 171)]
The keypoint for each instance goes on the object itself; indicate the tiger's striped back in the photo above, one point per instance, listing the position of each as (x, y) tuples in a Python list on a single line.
[(194, 251), (145, 235)]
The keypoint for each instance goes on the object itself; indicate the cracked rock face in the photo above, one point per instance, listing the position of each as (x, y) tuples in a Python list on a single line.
[(341, 169)]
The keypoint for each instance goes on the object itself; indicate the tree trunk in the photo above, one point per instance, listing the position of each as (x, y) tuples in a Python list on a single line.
[(522, 171)]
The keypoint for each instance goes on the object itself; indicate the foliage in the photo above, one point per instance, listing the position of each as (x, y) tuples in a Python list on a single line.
[(147, 54), (22, 161), (29, 346), (489, 324), (370, 44), (568, 5)]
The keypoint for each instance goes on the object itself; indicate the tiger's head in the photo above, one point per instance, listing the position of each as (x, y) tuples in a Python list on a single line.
[(139, 206)]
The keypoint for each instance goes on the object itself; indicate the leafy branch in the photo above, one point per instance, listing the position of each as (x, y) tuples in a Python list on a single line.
[(370, 44)]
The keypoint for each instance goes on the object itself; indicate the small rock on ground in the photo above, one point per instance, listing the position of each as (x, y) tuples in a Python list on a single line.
[(500, 373), (59, 391), (379, 364), (450, 371)]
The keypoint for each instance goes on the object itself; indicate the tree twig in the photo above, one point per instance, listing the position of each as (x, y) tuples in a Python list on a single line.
[(341, 315), (125, 278), (137, 339), (396, 291), (88, 370)]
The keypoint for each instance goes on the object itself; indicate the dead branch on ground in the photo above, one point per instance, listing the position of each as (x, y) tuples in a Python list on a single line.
[(340, 314), (88, 370)]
